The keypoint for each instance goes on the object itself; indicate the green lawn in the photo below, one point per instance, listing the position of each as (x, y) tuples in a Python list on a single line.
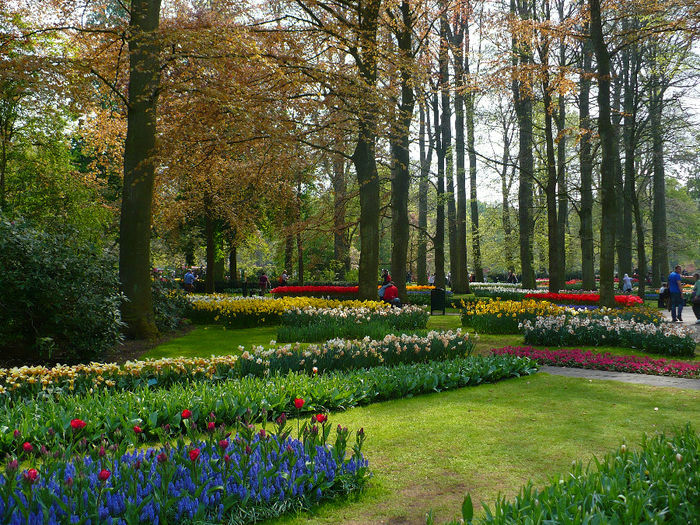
[(204, 341), (426, 452)]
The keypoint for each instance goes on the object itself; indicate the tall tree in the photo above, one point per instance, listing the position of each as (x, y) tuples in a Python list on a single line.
[(400, 143), (426, 155), (607, 165), (139, 169), (586, 163), (522, 94)]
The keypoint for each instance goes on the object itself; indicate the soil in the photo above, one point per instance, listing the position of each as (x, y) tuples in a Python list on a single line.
[(128, 350)]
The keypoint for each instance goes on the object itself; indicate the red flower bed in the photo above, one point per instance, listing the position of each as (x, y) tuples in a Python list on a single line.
[(605, 361), (316, 290), (583, 298)]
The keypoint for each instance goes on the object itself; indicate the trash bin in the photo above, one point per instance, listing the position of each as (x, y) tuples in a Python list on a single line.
[(437, 300)]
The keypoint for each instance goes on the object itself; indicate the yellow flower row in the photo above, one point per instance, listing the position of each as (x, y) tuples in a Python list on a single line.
[(513, 308), (86, 377)]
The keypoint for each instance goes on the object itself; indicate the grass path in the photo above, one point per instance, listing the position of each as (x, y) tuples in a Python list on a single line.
[(426, 452)]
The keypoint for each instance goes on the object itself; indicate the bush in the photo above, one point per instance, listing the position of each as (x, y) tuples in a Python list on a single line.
[(170, 305), (59, 297), (660, 483)]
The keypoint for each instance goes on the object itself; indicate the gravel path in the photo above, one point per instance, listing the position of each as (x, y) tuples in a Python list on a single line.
[(640, 379)]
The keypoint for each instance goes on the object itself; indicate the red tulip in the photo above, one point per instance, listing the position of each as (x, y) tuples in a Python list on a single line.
[(224, 444), (27, 447), (211, 426), (137, 429), (321, 418), (31, 475), (104, 475), (298, 403), (194, 454), (186, 414), (77, 424), (162, 457)]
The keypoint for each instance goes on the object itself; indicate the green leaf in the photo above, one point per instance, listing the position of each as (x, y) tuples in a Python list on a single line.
[(467, 509)]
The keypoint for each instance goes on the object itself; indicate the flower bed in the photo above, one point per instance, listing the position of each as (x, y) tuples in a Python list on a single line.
[(563, 330), (238, 480), (583, 298), (311, 324), (340, 354), (605, 361), (158, 412), (503, 317), (656, 484), (246, 312)]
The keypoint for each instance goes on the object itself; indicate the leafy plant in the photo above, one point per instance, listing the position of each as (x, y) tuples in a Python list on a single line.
[(113, 414), (60, 294)]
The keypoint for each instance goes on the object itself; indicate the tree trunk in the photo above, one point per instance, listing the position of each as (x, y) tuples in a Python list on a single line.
[(401, 175), (364, 155), (439, 238), (641, 250), (341, 250), (616, 119), (523, 107), (139, 170), (300, 259), (586, 167), (505, 206), (551, 186), (446, 130), (233, 263), (659, 254), (211, 251), (460, 278), (288, 251), (563, 212), (629, 65), (473, 200), (423, 186), (607, 165)]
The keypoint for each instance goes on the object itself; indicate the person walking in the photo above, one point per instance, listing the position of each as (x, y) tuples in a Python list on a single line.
[(189, 280), (674, 288), (511, 279), (627, 284), (695, 298), (264, 283)]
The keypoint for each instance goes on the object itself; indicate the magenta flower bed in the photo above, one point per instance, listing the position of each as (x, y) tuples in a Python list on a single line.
[(604, 361)]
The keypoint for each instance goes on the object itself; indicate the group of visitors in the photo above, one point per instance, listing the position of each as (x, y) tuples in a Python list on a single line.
[(671, 296)]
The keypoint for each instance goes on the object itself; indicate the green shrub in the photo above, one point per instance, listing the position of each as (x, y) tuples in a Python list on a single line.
[(311, 324), (170, 304), (59, 296), (112, 415), (658, 484)]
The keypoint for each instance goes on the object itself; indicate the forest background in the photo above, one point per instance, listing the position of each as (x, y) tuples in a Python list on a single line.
[(333, 138)]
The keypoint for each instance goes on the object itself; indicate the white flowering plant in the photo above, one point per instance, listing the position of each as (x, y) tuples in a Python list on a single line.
[(567, 330)]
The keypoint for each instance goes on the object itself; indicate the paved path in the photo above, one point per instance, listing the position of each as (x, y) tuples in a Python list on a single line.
[(641, 379)]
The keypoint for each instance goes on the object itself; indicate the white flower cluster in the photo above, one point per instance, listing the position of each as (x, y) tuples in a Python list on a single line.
[(505, 286), (360, 314), (220, 297), (340, 348), (609, 324)]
